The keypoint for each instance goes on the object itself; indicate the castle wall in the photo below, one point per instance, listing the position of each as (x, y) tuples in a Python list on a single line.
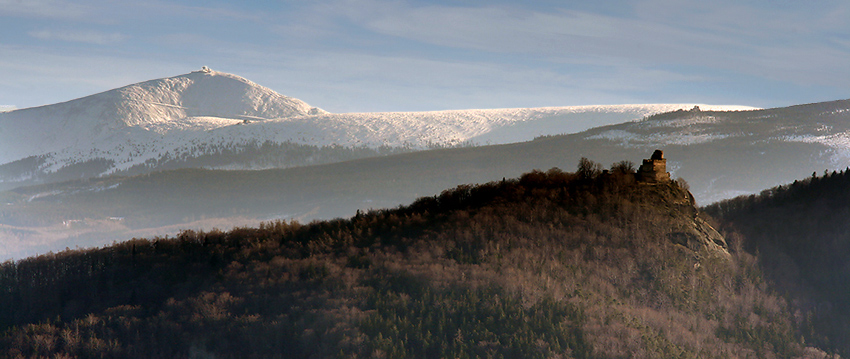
[(654, 169)]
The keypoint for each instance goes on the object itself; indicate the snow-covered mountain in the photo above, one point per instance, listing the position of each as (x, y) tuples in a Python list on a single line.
[(206, 111), (138, 120)]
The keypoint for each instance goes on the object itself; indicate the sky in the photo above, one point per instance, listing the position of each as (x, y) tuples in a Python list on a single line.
[(409, 55)]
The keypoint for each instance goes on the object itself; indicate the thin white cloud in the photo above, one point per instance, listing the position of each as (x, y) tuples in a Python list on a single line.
[(349, 81), (42, 9), (496, 29), (121, 13), (90, 37), (510, 30), (57, 76), (783, 42), (177, 10), (375, 55)]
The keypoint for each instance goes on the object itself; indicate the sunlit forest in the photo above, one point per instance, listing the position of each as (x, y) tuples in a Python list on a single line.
[(554, 264)]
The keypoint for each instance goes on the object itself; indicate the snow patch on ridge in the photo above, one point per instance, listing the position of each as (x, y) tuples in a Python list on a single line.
[(838, 142), (682, 122), (631, 140)]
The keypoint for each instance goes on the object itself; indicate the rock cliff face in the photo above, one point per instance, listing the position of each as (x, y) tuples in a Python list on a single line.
[(699, 235), (688, 229)]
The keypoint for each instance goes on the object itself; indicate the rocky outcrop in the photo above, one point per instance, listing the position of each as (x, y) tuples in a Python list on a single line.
[(698, 235), (688, 226)]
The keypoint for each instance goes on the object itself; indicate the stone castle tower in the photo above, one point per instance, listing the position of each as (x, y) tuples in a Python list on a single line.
[(654, 169)]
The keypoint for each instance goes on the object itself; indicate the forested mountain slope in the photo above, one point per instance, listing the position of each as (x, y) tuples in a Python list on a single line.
[(553, 264), (801, 232)]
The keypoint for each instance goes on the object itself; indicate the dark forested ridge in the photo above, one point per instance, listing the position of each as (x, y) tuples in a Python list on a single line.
[(801, 232), (553, 264)]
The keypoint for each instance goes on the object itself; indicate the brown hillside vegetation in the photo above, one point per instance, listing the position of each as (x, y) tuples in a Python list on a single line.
[(550, 265)]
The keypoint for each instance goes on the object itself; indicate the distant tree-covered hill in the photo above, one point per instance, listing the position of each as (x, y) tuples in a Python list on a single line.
[(801, 232), (589, 264)]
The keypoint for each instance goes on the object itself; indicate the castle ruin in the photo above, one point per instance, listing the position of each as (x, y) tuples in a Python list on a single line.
[(654, 169)]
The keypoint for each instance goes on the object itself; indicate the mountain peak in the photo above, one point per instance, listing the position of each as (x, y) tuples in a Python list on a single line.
[(204, 93), (145, 106)]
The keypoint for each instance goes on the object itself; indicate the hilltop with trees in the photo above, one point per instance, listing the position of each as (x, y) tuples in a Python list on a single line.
[(591, 264)]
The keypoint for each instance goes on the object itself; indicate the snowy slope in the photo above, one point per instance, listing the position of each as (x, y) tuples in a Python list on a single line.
[(149, 109), (725, 154), (823, 123), (177, 115)]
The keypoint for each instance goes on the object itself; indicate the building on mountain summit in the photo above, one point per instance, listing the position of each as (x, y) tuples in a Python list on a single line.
[(654, 169)]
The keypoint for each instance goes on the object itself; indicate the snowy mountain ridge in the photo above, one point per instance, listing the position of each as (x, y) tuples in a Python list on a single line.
[(185, 114), (153, 105), (826, 125)]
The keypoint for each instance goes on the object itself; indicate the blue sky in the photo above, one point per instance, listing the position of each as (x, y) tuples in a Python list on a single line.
[(369, 56)]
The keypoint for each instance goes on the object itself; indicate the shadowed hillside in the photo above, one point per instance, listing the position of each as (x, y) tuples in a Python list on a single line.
[(801, 232), (589, 264)]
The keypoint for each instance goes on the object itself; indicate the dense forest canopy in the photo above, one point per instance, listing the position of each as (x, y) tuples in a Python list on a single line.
[(592, 264), (801, 232)]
